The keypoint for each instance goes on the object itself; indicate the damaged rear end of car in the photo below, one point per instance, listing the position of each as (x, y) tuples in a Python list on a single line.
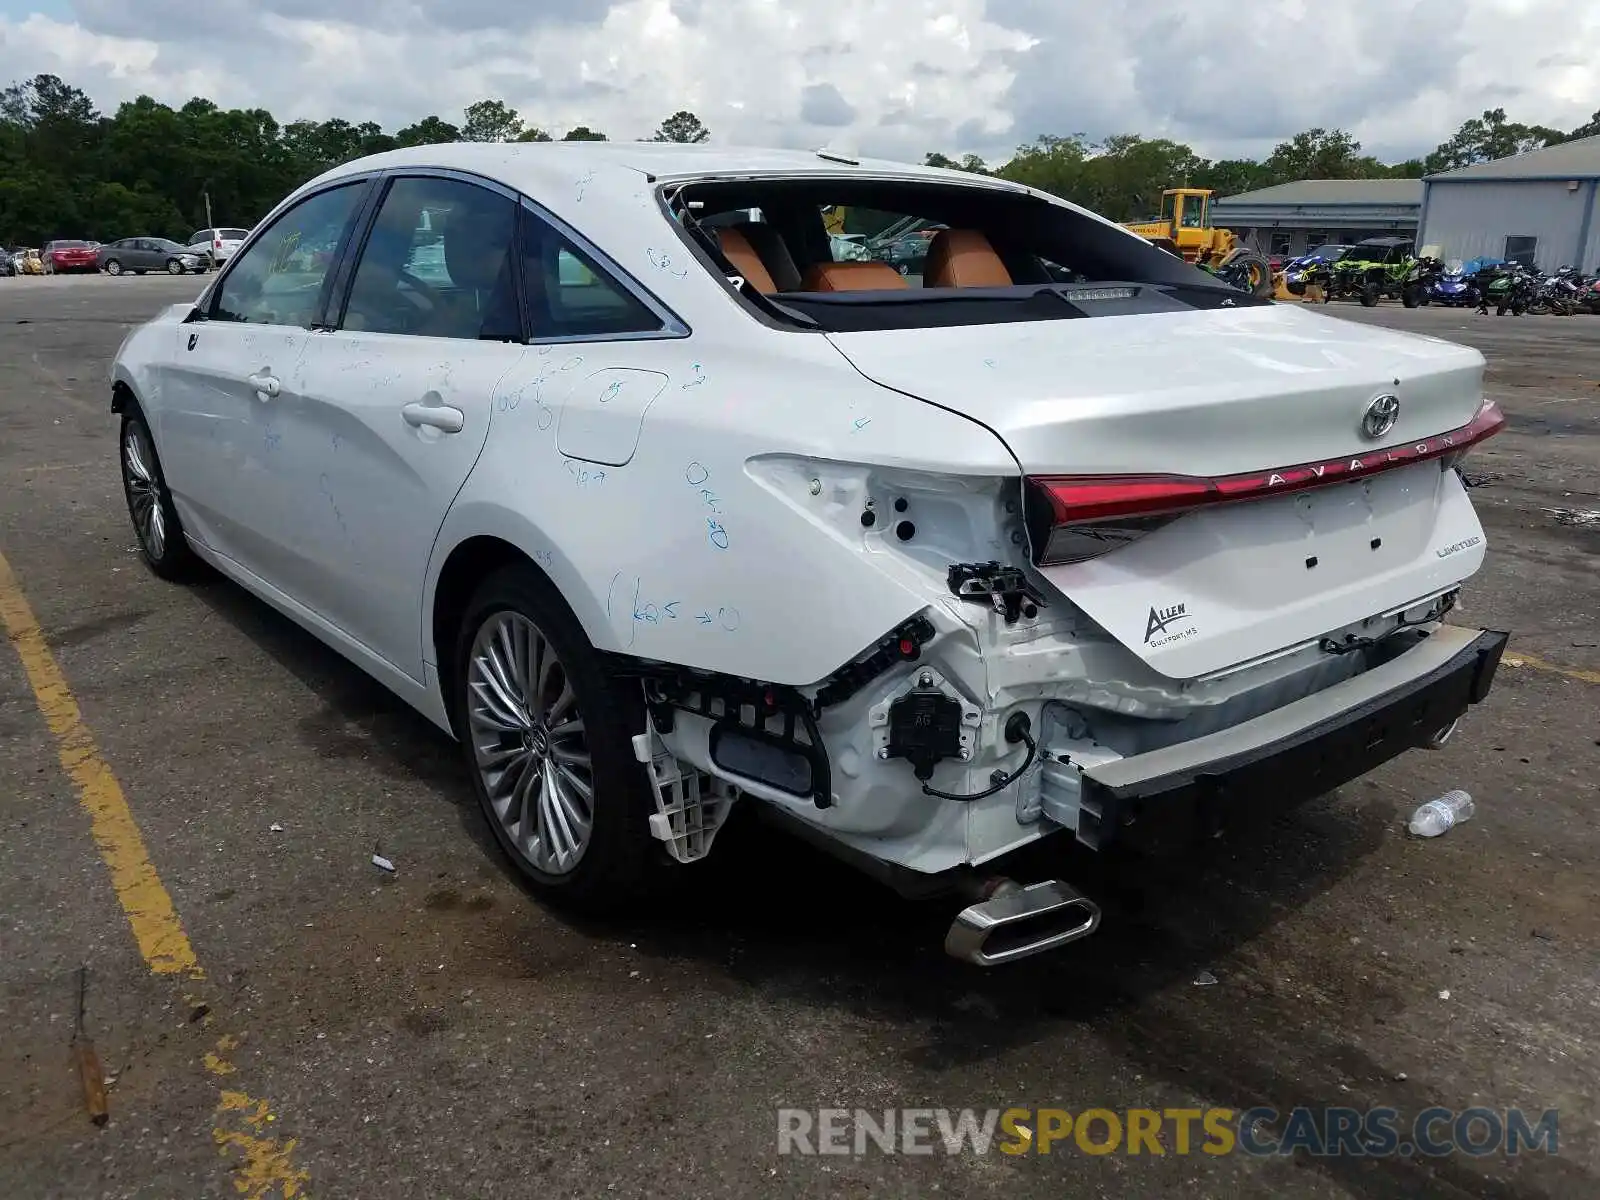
[(1217, 580)]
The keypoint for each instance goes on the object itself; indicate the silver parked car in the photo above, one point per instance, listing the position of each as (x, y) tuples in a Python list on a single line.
[(149, 254)]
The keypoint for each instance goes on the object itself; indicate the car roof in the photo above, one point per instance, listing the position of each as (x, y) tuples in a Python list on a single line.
[(535, 167)]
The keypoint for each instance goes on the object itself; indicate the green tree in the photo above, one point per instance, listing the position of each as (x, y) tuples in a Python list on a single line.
[(582, 133), (491, 121), (1489, 137), (430, 131), (681, 126), (533, 134), (1590, 128)]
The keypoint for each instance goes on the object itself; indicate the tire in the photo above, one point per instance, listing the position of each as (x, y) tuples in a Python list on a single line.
[(618, 861), (174, 267), (113, 267), (1369, 296), (155, 521), (1411, 297)]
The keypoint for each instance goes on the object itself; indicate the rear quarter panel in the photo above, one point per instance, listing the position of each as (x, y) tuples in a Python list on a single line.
[(692, 551)]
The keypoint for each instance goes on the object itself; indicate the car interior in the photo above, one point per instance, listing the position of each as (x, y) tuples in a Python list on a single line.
[(1011, 255)]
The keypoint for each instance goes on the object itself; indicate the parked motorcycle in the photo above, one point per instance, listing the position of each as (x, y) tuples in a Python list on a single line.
[(1430, 281), (1557, 294), (1508, 286)]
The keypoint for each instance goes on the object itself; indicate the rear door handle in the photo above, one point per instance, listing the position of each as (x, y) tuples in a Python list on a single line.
[(438, 416), (266, 385)]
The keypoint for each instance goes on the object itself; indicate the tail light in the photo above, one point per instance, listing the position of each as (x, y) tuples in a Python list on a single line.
[(1072, 518), (217, 244)]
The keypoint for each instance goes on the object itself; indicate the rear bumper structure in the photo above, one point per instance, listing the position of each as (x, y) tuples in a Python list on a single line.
[(1303, 749)]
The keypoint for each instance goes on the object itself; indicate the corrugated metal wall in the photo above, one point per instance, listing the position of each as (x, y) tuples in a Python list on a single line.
[(1469, 220)]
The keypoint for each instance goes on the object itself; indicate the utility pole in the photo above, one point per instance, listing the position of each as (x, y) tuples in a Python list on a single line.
[(206, 195)]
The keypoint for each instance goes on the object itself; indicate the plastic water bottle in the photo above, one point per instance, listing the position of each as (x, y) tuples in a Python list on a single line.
[(1442, 815)]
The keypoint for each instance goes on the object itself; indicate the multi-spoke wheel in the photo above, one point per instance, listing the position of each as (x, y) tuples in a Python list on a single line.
[(529, 743), (547, 733), (155, 521)]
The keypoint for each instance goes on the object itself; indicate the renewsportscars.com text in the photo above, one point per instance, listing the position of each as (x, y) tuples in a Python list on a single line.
[(1319, 1132)]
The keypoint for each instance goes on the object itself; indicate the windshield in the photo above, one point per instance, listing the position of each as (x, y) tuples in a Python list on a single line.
[(1329, 252), (833, 254)]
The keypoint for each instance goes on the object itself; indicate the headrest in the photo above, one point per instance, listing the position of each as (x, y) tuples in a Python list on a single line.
[(474, 251), (768, 243), (963, 258), (736, 248)]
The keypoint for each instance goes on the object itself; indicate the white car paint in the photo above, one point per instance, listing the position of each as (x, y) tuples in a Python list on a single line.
[(698, 496)]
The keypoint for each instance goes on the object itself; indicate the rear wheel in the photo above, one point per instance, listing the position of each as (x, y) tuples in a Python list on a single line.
[(1369, 295), (1411, 297), (547, 734), (155, 521), (113, 267)]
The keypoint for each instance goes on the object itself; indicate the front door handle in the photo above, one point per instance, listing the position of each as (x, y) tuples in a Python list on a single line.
[(266, 385), (438, 416)]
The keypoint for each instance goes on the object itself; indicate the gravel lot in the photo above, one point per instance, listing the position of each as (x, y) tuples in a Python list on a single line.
[(436, 1033)]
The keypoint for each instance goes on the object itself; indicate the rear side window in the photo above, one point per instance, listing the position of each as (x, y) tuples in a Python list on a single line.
[(233, 235), (570, 295), (278, 280), (438, 263)]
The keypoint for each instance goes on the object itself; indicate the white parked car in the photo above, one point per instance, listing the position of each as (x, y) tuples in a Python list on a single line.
[(220, 244), (653, 518)]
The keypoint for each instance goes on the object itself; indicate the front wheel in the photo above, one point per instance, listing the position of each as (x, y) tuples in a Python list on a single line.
[(113, 267), (547, 733), (174, 267), (1411, 297), (155, 521), (1369, 296)]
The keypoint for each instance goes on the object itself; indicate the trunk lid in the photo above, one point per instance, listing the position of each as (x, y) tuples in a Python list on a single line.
[(1213, 394)]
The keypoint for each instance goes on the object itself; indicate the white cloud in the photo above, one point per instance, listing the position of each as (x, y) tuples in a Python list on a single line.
[(896, 77)]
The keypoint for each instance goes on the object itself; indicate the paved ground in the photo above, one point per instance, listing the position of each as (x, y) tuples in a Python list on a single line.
[(436, 1033)]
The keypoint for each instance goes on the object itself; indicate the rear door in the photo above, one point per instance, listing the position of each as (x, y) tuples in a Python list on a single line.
[(391, 408), (231, 377)]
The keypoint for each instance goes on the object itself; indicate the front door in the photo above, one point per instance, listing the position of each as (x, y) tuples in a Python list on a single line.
[(220, 421), (392, 407)]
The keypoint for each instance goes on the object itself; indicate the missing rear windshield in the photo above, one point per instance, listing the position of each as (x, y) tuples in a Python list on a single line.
[(845, 254)]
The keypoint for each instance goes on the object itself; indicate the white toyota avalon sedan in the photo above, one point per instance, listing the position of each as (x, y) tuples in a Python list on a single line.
[(598, 457)]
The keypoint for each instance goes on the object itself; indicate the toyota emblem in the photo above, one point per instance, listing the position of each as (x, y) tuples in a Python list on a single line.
[(1382, 412)]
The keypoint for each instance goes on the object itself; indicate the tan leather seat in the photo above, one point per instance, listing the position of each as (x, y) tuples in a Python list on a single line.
[(851, 277), (736, 248), (770, 247), (963, 258)]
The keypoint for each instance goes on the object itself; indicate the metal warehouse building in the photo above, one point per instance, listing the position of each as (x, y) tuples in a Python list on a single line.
[(1292, 218), (1537, 208)]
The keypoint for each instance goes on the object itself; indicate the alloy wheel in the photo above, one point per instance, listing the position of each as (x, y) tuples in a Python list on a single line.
[(529, 743), (144, 490)]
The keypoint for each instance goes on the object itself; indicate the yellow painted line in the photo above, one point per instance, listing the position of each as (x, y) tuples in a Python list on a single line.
[(263, 1167), (144, 899), (1519, 659)]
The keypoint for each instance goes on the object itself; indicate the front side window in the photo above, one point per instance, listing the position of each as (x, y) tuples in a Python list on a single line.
[(278, 281), (570, 295), (438, 263)]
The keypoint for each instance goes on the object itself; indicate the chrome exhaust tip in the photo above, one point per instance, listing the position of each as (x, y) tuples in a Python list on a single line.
[(1018, 922)]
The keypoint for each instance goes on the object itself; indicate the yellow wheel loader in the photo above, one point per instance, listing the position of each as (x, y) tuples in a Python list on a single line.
[(1184, 228)]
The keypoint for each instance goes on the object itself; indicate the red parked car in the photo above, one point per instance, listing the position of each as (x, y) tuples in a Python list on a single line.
[(61, 257)]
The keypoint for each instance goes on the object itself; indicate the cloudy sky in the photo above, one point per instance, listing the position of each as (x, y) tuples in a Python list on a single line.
[(888, 77)]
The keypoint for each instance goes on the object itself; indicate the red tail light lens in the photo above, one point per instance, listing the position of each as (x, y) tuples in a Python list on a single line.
[(1076, 517)]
